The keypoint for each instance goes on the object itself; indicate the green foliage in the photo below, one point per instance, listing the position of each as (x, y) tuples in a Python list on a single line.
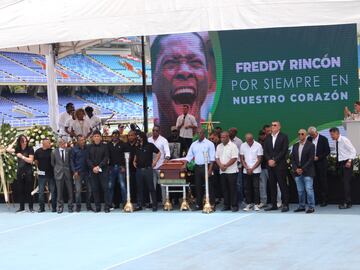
[(7, 136), (37, 133)]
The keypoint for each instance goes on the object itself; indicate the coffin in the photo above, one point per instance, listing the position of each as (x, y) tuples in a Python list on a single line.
[(171, 173)]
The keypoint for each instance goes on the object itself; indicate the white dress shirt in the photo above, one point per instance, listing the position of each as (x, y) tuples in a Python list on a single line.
[(225, 153), (63, 118), (62, 152), (251, 154), (238, 142), (197, 149), (315, 142), (274, 137), (163, 145), (189, 120), (345, 148)]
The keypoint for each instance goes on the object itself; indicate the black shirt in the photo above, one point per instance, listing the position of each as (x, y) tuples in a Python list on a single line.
[(131, 148), (44, 161), (116, 153), (22, 164), (144, 155), (98, 155)]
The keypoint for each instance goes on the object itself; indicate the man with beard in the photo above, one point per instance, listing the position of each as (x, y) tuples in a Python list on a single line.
[(181, 76)]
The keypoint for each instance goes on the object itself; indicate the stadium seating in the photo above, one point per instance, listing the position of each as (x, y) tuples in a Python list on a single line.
[(7, 78), (89, 69), (20, 72), (125, 110), (138, 98), (77, 68)]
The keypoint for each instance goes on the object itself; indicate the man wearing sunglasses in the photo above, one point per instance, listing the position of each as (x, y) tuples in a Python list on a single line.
[(302, 162), (275, 152)]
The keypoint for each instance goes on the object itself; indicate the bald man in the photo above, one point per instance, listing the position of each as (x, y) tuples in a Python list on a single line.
[(302, 161)]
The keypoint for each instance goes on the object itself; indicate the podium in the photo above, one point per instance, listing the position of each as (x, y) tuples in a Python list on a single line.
[(353, 133)]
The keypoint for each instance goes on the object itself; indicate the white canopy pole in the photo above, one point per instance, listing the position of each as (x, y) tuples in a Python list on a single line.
[(52, 93)]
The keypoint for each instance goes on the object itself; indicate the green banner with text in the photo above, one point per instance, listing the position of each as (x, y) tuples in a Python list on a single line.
[(301, 76)]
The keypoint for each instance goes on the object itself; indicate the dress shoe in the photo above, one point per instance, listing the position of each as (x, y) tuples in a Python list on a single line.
[(60, 210), (225, 208), (53, 210), (138, 208), (285, 209), (148, 205), (20, 210), (310, 210), (323, 204), (299, 210), (271, 208), (345, 206), (41, 210), (235, 209)]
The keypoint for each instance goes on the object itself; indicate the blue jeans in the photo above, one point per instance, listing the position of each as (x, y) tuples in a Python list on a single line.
[(115, 172), (305, 183), (52, 188)]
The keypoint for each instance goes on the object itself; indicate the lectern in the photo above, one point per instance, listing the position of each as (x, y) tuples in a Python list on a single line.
[(353, 133)]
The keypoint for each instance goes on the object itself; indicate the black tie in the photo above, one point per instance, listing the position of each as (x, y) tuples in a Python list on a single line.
[(62, 156), (337, 152)]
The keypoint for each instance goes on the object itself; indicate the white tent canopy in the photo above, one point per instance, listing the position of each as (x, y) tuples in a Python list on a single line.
[(33, 22), (76, 24)]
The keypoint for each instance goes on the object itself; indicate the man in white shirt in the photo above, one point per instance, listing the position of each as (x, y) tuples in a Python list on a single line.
[(240, 182), (251, 153), (227, 155), (64, 117), (163, 145), (95, 122), (345, 154), (186, 123), (68, 127), (196, 152)]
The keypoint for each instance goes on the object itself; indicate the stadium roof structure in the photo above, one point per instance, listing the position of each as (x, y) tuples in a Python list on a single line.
[(65, 23), (33, 22)]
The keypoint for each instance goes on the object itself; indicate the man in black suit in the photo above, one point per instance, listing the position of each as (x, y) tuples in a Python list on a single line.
[(97, 158), (302, 163), (275, 151), (322, 150)]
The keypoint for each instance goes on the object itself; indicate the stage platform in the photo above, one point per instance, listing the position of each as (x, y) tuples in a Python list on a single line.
[(327, 239)]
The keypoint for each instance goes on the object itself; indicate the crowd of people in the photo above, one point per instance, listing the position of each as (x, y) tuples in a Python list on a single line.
[(240, 173)]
